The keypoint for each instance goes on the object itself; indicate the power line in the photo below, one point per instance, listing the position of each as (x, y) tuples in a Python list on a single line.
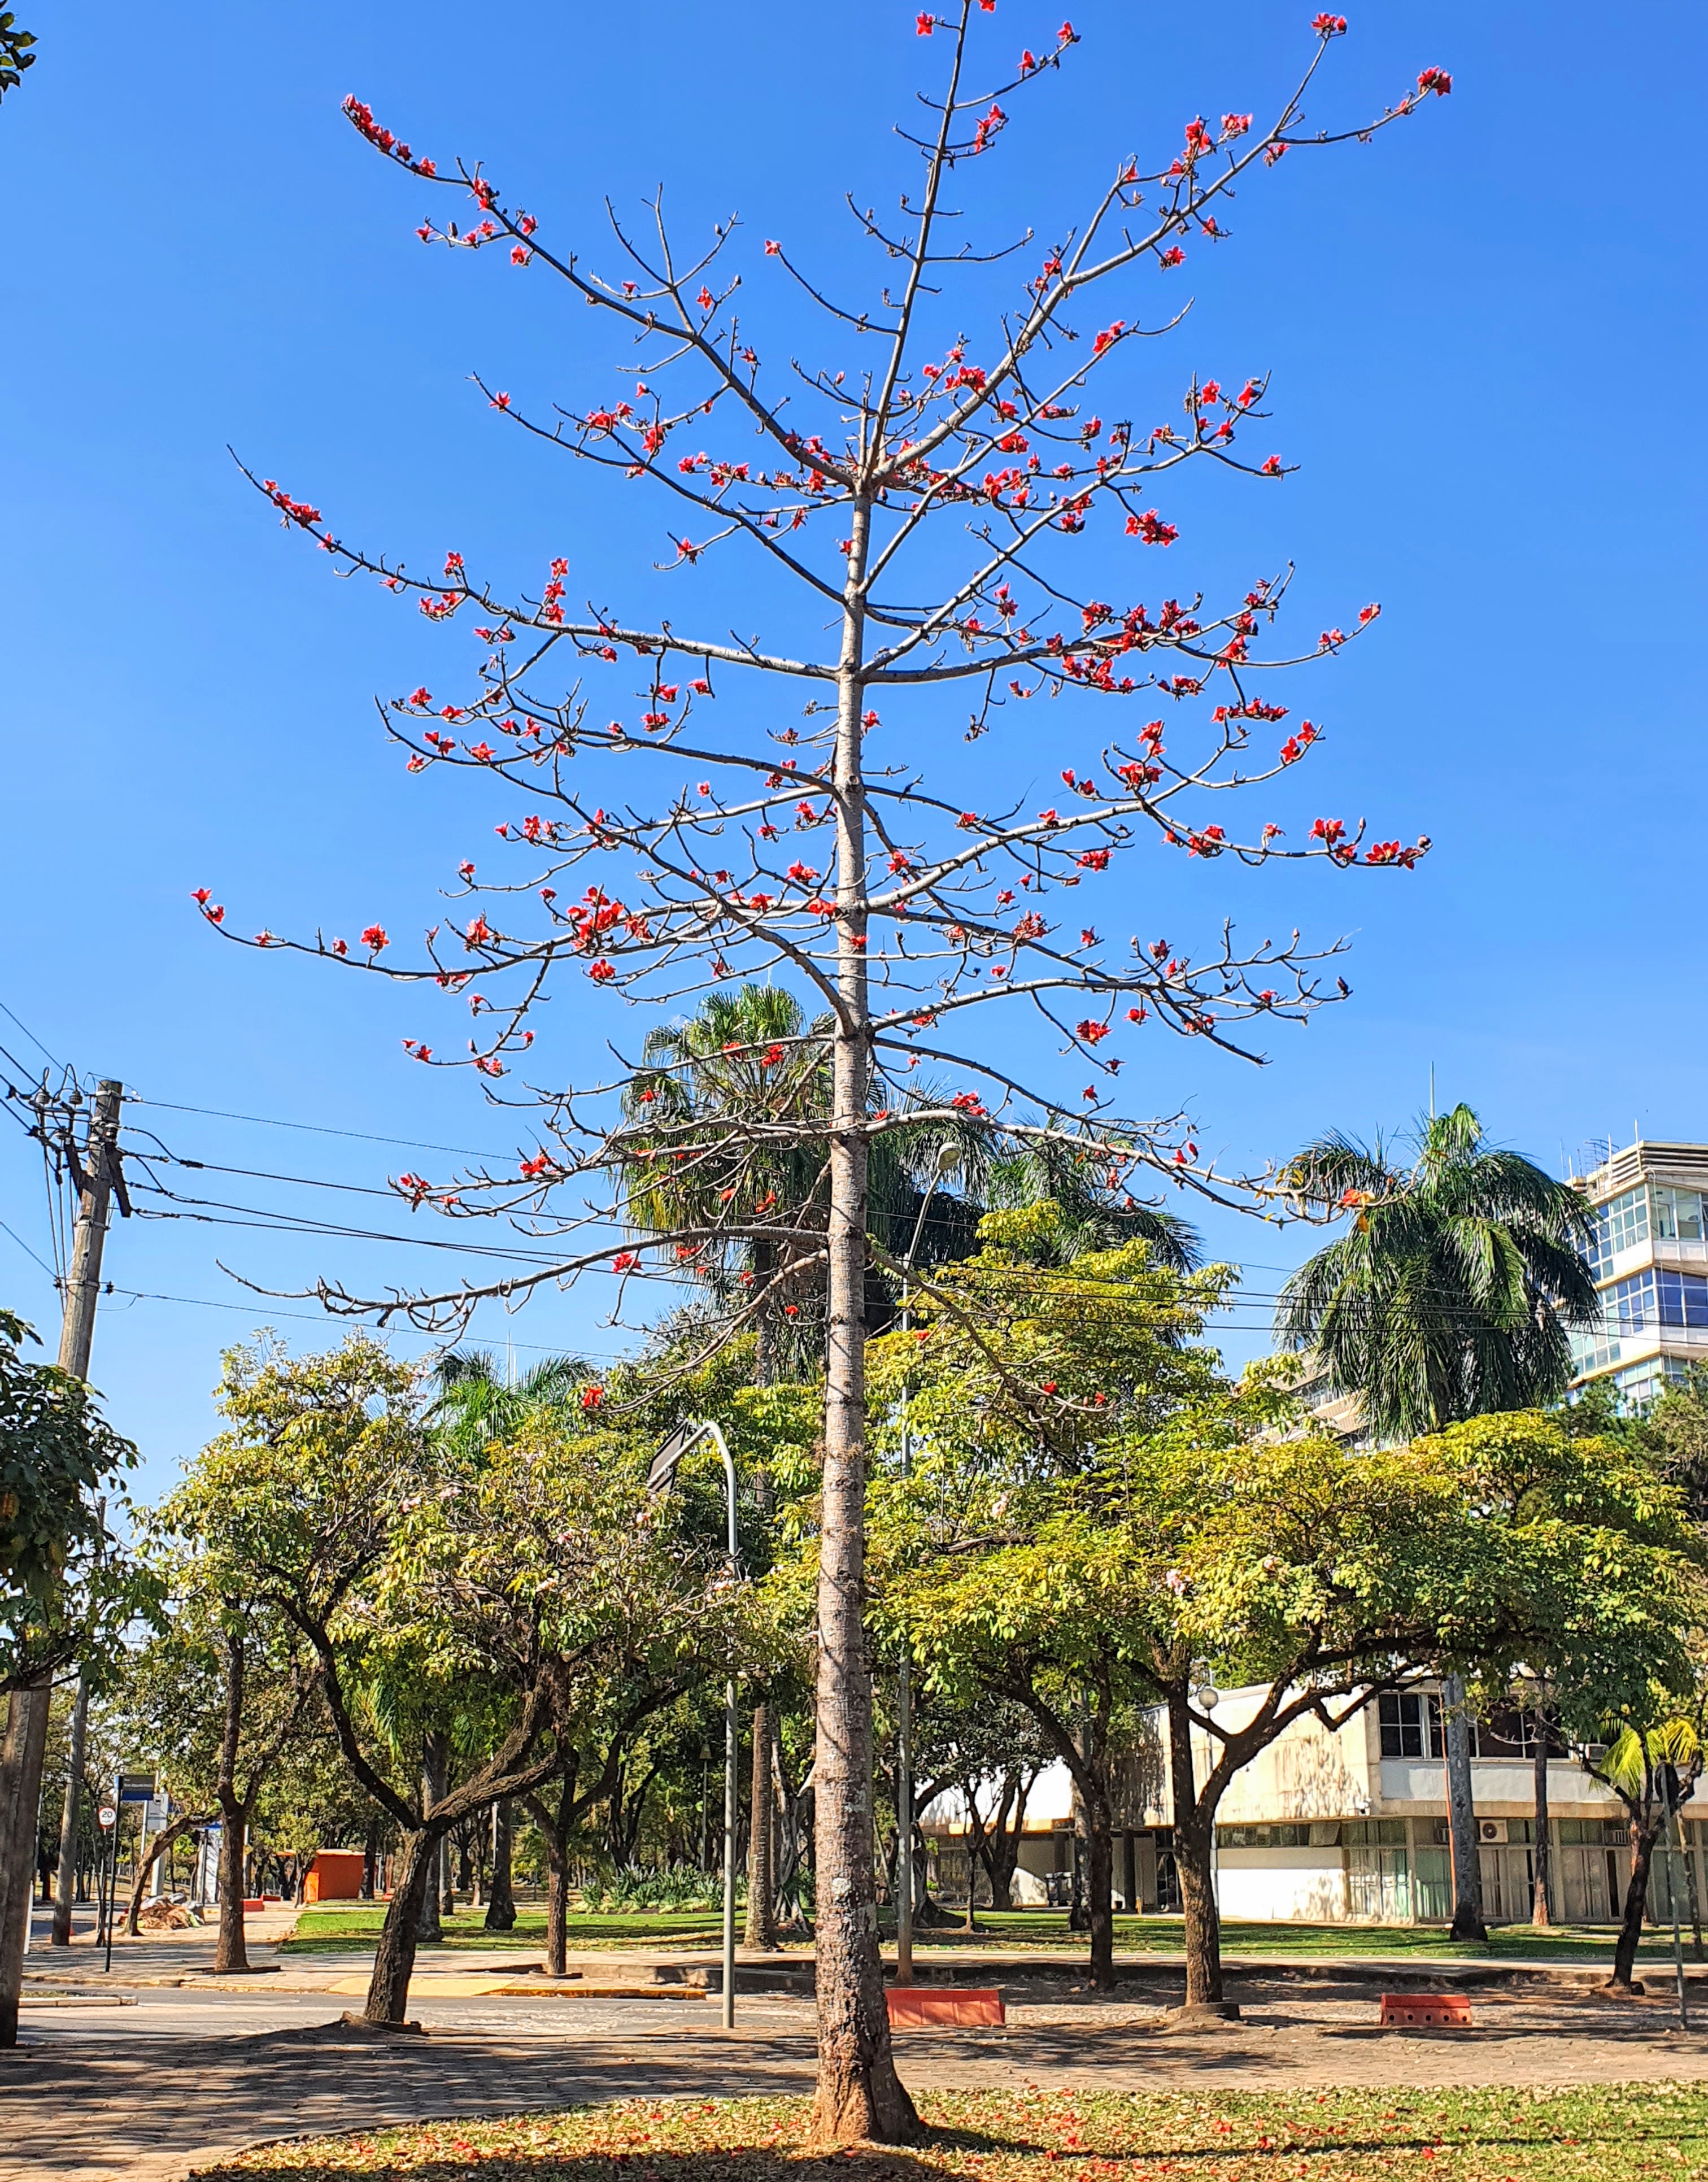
[(325, 1318), (312, 1128), (30, 1035), (29, 1252)]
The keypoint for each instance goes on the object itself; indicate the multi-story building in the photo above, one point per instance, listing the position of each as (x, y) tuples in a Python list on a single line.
[(1649, 1257), (1348, 1827)]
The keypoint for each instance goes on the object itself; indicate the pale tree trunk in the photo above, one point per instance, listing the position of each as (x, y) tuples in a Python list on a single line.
[(1462, 1814), (859, 2095), (500, 1902), (65, 1889), (760, 1929), (20, 1793), (1542, 1903)]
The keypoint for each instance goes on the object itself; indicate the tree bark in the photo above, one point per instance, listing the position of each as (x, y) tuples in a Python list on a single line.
[(394, 1958), (20, 1793), (230, 1951), (1099, 1881), (1461, 1813), (858, 2095), (1643, 1839), (500, 1902), (554, 1826), (65, 1886), (434, 1766), (760, 1929), (1194, 1849), (1542, 1901)]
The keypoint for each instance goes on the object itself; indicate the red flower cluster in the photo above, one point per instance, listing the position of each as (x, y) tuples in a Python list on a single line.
[(293, 511)]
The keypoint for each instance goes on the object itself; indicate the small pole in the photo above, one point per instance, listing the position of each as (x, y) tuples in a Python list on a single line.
[(1675, 1870), (904, 1696)]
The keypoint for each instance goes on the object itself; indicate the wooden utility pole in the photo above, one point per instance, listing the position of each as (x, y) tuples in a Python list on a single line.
[(27, 1724)]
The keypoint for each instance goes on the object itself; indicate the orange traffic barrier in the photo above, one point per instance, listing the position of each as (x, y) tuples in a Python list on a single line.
[(919, 2007), (1416, 2011)]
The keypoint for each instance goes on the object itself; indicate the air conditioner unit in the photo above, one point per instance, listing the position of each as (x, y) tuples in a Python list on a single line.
[(1491, 1831)]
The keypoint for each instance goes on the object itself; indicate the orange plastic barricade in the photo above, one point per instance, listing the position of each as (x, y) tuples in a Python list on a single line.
[(1419, 2011), (921, 2007)]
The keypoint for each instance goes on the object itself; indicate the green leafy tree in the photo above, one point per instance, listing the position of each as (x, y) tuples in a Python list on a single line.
[(1095, 1523), (1448, 1297), (16, 53), (1449, 1293), (216, 1698)]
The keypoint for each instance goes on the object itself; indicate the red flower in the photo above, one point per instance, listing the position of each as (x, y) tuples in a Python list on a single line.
[(1329, 26), (623, 1259), (602, 972), (591, 1397), (374, 938), (1091, 1032), (1271, 468), (1435, 79), (925, 25), (499, 401)]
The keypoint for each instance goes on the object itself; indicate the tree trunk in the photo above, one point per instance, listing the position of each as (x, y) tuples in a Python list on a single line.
[(1642, 1838), (1690, 1892), (370, 1861), (229, 1952), (500, 1902), (394, 1959), (162, 1845), (553, 1828), (65, 1886), (858, 2095), (762, 1869), (1003, 1842), (428, 1930), (1099, 1881), (1194, 1849), (1462, 1814), (1542, 1902), (20, 1794)]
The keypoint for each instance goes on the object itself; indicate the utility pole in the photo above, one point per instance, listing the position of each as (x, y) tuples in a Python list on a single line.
[(97, 1174)]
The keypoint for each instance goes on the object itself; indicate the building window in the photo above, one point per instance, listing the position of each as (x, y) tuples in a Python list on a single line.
[(1403, 1726), (1411, 1727), (1657, 1297), (1593, 1350), (1619, 1225), (1677, 1214)]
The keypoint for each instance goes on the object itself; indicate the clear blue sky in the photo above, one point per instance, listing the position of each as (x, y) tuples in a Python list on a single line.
[(1485, 334)]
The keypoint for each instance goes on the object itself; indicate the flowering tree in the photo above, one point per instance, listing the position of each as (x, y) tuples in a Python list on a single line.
[(662, 854)]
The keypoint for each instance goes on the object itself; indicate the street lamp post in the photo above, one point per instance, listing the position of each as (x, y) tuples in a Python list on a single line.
[(665, 1464)]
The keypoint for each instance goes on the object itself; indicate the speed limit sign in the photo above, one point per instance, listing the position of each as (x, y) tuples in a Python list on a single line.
[(106, 1814)]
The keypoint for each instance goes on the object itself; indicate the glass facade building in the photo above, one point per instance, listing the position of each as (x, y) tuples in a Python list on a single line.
[(1648, 1254)]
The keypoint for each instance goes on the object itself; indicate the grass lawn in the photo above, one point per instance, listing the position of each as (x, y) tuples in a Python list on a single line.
[(345, 1924), (340, 1925), (1614, 2135)]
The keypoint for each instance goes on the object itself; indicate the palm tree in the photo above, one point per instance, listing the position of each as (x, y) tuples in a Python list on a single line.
[(1448, 1297)]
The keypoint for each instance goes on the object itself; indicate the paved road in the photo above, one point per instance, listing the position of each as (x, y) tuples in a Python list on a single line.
[(150, 2091)]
